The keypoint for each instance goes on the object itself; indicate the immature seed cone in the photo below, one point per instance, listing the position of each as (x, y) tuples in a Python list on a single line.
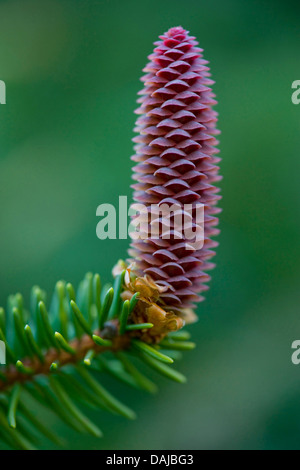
[(176, 164)]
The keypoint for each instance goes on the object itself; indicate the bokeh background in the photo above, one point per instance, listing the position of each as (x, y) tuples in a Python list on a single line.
[(71, 71)]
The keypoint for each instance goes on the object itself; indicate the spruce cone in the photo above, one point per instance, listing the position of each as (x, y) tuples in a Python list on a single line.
[(176, 163)]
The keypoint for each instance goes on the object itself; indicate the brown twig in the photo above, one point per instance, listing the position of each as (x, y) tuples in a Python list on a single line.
[(82, 346)]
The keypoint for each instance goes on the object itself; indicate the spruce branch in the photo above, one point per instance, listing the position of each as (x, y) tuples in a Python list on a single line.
[(57, 369)]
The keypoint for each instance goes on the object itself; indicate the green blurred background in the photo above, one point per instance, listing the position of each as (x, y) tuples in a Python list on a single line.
[(72, 72)]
